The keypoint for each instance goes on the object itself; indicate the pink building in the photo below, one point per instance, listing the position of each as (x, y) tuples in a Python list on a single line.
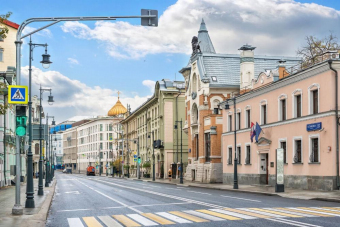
[(296, 112)]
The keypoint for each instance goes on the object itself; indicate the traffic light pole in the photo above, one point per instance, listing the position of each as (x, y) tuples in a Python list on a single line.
[(17, 208), (138, 164), (41, 173)]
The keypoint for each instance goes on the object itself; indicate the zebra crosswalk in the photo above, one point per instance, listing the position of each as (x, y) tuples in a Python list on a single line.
[(277, 214)]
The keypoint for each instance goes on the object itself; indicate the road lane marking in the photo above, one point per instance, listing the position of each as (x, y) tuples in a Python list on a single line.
[(327, 210), (200, 192), (109, 222), (206, 216), (123, 204), (166, 195), (73, 192), (173, 217), (248, 213), (125, 221), (334, 208), (303, 223), (285, 221), (261, 212), (309, 212), (228, 217), (142, 220), (320, 211), (161, 204), (188, 216), (91, 222), (233, 214), (158, 219), (75, 222), (279, 213), (290, 212), (72, 210), (241, 198)]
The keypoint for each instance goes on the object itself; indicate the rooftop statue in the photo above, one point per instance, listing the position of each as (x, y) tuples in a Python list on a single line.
[(195, 46)]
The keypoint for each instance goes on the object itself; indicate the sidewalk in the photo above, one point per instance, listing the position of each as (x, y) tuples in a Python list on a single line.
[(32, 216), (331, 196)]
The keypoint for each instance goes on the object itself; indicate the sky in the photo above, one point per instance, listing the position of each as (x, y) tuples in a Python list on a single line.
[(94, 60)]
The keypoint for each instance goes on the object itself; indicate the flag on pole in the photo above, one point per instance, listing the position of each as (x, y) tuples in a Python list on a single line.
[(258, 130), (252, 131)]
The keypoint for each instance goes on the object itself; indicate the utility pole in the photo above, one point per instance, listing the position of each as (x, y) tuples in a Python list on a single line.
[(17, 208)]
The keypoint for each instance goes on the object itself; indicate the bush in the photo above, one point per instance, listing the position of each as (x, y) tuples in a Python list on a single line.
[(147, 165)]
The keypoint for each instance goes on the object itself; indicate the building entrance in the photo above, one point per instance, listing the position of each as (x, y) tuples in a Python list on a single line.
[(264, 176)]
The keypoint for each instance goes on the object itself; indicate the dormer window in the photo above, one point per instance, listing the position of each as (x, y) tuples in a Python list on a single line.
[(214, 78)]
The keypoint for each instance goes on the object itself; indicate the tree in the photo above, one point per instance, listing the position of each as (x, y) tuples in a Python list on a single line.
[(315, 47), (3, 27)]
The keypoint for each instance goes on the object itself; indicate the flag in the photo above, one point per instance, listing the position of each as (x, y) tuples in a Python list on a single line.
[(252, 131), (258, 130)]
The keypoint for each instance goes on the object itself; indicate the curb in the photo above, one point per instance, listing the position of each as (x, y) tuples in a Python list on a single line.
[(327, 200)]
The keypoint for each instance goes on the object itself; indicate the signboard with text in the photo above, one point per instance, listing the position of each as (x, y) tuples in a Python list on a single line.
[(314, 126)]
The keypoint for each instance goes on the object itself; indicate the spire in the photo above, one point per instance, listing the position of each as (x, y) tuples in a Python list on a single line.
[(118, 92), (204, 39)]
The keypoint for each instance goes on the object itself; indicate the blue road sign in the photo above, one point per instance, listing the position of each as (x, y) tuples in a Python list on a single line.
[(135, 156), (17, 94)]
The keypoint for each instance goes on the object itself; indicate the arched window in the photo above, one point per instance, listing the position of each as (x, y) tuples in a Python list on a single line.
[(36, 148), (194, 114), (194, 83)]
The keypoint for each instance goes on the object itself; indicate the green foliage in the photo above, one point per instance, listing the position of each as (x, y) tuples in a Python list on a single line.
[(3, 27), (147, 165)]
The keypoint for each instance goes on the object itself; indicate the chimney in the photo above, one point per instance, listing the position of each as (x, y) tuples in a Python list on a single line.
[(282, 69), (246, 67)]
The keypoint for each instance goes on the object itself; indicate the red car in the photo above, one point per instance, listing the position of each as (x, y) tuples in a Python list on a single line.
[(90, 171)]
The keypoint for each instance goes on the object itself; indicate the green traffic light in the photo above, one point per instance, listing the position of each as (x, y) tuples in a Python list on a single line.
[(21, 131), (21, 125)]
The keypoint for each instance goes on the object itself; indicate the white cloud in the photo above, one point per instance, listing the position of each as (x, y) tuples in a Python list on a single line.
[(73, 61), (274, 26), (74, 98), (46, 32), (150, 84)]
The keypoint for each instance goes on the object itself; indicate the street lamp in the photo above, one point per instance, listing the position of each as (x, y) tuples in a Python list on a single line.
[(153, 155), (235, 160), (48, 153), (40, 187), (138, 158), (29, 187), (181, 172), (46, 60)]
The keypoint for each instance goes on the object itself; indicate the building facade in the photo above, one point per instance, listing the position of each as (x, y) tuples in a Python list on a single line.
[(297, 112), (210, 78), (154, 121)]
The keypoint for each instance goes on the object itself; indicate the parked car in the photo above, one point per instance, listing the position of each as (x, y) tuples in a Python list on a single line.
[(90, 171)]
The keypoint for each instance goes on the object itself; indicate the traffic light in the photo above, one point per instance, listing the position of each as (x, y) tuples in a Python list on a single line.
[(21, 120), (139, 161)]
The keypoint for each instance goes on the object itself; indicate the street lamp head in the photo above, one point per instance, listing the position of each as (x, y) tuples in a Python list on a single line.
[(46, 60), (175, 126), (50, 100), (226, 106), (53, 122)]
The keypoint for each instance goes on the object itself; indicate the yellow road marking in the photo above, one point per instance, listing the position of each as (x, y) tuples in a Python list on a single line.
[(247, 213), (305, 212), (275, 212), (219, 215), (125, 221), (324, 211), (332, 208), (158, 219), (188, 216), (91, 222)]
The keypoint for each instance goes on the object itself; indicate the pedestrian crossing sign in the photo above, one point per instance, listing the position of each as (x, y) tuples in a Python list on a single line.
[(17, 94)]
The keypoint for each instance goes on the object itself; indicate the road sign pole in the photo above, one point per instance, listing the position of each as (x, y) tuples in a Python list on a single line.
[(17, 208)]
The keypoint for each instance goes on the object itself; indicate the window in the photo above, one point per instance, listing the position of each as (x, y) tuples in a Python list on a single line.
[(314, 153), (315, 102), (214, 78), (283, 109), (230, 155), (1, 54), (298, 150), (284, 147), (238, 121), (230, 123), (197, 146), (36, 148), (207, 147), (101, 127), (215, 110), (238, 155), (298, 106), (264, 114), (247, 118), (248, 154)]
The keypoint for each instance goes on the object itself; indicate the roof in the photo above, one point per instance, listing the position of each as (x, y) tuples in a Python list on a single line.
[(225, 68), (11, 24)]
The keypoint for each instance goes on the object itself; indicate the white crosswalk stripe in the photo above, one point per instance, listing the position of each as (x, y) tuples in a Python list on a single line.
[(144, 221), (233, 214), (202, 215), (285, 221), (173, 217), (109, 222), (298, 222), (261, 212), (290, 212), (315, 211), (75, 222)]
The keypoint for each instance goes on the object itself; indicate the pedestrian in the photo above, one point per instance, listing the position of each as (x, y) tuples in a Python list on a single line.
[(169, 174)]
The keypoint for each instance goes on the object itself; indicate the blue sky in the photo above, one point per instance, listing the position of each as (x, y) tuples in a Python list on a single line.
[(94, 60)]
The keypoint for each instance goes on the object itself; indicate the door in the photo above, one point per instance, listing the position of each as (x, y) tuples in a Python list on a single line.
[(267, 175)]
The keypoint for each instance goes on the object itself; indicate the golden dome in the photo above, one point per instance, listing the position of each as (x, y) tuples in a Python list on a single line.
[(117, 109)]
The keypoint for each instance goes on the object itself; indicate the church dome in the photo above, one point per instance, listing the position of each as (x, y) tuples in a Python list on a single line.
[(117, 109)]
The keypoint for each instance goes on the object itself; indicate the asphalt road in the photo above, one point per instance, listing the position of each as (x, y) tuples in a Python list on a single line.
[(82, 200)]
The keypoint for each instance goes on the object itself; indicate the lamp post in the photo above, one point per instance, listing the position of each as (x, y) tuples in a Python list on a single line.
[(235, 160), (50, 101), (181, 173), (29, 186), (153, 155), (138, 158), (48, 153)]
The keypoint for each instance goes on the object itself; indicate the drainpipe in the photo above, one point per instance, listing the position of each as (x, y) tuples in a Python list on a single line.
[(336, 122)]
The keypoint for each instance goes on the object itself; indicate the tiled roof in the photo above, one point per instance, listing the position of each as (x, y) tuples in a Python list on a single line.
[(204, 39), (11, 24)]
